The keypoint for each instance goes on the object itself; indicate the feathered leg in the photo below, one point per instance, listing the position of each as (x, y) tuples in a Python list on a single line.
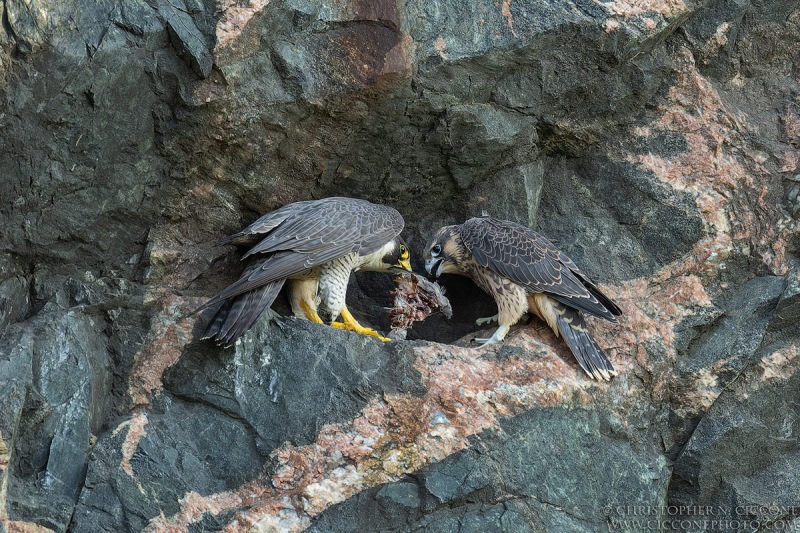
[(303, 299), (512, 303)]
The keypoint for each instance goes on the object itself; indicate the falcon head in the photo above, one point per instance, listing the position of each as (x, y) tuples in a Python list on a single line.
[(393, 256), (445, 252)]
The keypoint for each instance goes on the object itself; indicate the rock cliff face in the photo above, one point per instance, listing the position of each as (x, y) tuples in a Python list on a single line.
[(656, 141)]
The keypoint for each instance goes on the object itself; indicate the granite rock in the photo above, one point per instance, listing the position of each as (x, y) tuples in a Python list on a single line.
[(654, 141)]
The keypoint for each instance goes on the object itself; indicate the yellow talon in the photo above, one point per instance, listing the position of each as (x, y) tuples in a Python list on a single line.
[(311, 314), (349, 323)]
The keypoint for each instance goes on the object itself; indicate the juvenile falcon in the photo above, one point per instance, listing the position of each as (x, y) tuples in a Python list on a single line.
[(524, 272), (315, 245)]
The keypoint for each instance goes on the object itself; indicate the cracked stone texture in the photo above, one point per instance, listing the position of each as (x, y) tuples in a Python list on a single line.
[(655, 141), (512, 479)]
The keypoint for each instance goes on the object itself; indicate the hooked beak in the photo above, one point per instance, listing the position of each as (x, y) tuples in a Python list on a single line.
[(401, 266), (434, 267)]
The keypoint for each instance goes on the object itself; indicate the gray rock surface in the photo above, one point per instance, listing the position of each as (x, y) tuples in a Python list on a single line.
[(55, 396), (655, 142), (184, 447), (522, 478), (267, 381), (759, 420), (224, 412)]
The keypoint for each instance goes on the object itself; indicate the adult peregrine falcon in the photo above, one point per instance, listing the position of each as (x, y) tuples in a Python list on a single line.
[(524, 272), (316, 245)]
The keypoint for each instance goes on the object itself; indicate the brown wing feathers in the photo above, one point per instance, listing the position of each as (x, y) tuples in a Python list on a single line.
[(529, 259)]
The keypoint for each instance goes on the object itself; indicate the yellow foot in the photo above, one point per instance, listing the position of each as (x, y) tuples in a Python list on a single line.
[(310, 312), (349, 323)]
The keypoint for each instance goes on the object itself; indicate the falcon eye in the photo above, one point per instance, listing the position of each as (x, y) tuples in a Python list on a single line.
[(436, 250), (403, 252)]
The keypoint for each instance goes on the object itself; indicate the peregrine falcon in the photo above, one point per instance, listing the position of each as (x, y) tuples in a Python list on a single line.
[(524, 272), (316, 245)]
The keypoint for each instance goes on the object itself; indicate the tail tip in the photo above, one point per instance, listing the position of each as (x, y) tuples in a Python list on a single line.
[(602, 374)]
